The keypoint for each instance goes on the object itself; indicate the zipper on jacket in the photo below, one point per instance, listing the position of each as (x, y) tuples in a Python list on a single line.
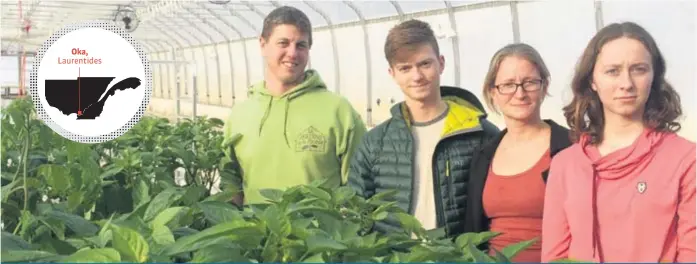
[(447, 168), (440, 210), (451, 185)]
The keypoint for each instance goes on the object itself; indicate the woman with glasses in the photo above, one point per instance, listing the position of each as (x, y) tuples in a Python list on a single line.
[(625, 191), (507, 181)]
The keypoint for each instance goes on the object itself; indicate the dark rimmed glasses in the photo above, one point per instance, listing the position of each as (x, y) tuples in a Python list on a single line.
[(528, 86)]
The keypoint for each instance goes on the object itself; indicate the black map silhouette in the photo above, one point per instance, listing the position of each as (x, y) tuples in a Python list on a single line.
[(63, 94)]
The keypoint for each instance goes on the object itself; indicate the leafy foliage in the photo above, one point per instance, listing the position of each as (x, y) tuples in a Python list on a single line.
[(118, 202)]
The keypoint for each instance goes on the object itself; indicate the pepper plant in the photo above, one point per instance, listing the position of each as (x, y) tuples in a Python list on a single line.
[(118, 202)]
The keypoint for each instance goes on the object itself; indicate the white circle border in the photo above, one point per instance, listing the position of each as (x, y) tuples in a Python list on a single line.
[(34, 88)]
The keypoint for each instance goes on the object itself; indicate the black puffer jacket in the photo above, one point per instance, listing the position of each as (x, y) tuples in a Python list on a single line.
[(384, 160)]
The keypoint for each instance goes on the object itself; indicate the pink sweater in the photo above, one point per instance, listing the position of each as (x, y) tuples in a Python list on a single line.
[(636, 204)]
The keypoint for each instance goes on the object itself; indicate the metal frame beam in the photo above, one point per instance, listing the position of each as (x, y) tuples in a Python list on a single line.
[(455, 43), (205, 57), (599, 22), (515, 24), (476, 6), (217, 55), (398, 8), (244, 52), (368, 66), (335, 51), (190, 46)]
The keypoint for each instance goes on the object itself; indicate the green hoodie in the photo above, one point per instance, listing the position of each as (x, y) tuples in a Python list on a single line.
[(304, 135)]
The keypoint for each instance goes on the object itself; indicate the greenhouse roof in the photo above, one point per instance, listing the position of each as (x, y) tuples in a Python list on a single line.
[(164, 24)]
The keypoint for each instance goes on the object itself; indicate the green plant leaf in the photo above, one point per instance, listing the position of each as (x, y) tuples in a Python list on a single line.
[(94, 255), (380, 216), (219, 253), (317, 192), (54, 245), (315, 258), (386, 207), (164, 217), (419, 253), (56, 226), (219, 212), (75, 200), (104, 235), (19, 119), (193, 194), (408, 222), (13, 242), (25, 255), (478, 255), (243, 232), (343, 194), (381, 197), (273, 195), (56, 176), (438, 233), (511, 251), (130, 244), (162, 235), (314, 210), (277, 222), (475, 239), (161, 202), (499, 257), (140, 193), (111, 172), (320, 241), (76, 223)]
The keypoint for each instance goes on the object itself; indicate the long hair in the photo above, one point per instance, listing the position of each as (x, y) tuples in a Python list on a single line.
[(584, 115)]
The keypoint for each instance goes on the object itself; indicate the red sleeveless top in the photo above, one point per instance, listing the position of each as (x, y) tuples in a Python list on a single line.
[(514, 204)]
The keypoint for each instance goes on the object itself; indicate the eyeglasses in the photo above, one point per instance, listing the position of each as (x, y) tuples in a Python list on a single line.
[(528, 86)]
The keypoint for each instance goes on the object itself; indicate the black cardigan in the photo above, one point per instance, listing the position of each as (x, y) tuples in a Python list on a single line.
[(476, 219)]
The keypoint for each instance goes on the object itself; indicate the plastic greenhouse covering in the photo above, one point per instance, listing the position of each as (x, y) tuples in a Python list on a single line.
[(205, 54)]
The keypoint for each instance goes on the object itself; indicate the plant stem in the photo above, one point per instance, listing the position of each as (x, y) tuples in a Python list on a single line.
[(25, 155), (24, 165)]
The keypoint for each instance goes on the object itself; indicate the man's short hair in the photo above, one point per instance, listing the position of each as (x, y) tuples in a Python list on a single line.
[(408, 36), (287, 15)]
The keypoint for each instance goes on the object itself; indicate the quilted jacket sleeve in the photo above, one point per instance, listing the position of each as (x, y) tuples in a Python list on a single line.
[(360, 176)]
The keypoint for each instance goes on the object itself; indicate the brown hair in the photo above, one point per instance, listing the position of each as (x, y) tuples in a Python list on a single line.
[(584, 114), (287, 15), (521, 50), (408, 35)]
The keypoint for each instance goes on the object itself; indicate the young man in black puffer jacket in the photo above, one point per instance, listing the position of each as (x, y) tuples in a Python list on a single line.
[(424, 150)]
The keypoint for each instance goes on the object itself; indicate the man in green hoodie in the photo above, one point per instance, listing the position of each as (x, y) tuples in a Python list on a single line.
[(291, 130), (424, 150)]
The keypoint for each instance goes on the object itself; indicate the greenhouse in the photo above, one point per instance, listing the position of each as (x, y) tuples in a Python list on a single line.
[(204, 57), (211, 49)]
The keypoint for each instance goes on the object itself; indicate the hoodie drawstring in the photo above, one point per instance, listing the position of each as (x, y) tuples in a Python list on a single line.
[(266, 114), (285, 122), (596, 237), (286, 101), (311, 82)]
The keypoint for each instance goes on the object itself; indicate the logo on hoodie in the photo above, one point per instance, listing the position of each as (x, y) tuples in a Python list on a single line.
[(641, 187), (310, 139)]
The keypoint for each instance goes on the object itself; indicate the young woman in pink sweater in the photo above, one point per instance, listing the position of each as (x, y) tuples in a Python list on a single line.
[(625, 191)]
